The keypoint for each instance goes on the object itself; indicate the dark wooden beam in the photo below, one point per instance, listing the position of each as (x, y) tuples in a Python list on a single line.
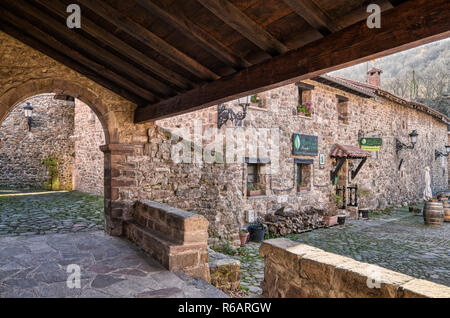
[(33, 31), (60, 30), (360, 14), (313, 15), (59, 8), (179, 21), (252, 31), (361, 163), (411, 24), (124, 23), (95, 76)]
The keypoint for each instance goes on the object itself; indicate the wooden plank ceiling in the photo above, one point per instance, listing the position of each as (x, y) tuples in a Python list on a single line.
[(172, 56)]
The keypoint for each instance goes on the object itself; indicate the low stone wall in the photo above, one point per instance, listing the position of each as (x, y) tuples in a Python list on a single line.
[(299, 270), (225, 271), (175, 238)]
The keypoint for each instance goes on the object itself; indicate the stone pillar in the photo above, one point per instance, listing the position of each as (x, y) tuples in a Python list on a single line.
[(118, 174)]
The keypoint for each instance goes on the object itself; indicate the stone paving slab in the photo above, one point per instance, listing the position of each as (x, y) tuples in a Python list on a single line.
[(36, 266), (30, 212), (399, 241)]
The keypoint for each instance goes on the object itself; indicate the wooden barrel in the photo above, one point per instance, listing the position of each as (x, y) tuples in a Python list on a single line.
[(433, 213), (446, 211)]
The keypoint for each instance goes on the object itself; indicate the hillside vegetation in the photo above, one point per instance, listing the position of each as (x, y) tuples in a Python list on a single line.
[(419, 74)]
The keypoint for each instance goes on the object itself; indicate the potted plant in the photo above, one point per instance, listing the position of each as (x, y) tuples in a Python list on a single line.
[(255, 100), (253, 189), (341, 219), (257, 231), (304, 110), (363, 211), (243, 236), (302, 187)]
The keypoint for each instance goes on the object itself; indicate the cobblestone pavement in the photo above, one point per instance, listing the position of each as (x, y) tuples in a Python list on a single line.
[(36, 266), (45, 212), (399, 241)]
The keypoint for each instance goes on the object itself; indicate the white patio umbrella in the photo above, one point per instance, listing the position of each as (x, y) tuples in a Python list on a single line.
[(427, 194)]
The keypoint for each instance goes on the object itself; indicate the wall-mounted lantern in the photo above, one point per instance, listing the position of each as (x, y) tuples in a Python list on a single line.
[(438, 154), (412, 138), (224, 114), (28, 110)]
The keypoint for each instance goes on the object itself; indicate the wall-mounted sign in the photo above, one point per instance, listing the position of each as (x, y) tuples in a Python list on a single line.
[(371, 144), (321, 160), (305, 145)]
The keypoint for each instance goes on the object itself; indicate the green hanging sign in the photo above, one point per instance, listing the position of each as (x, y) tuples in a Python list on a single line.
[(305, 145), (371, 144)]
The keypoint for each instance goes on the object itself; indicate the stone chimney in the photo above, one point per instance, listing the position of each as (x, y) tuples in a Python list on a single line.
[(373, 77)]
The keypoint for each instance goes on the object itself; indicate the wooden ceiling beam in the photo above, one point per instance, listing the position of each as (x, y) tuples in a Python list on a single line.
[(59, 8), (248, 28), (360, 14), (32, 30), (137, 31), (112, 84), (78, 41), (179, 21), (313, 15), (411, 24)]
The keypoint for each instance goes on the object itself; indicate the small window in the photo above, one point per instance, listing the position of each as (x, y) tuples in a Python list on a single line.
[(304, 107), (303, 177), (342, 108), (255, 182), (257, 100)]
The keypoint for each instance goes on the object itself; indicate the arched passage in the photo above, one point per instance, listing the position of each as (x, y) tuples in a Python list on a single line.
[(12, 97), (58, 86)]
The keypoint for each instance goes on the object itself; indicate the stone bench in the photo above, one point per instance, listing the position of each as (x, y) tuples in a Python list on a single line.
[(299, 270), (175, 238)]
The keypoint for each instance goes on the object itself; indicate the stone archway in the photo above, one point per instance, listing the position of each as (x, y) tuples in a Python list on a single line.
[(11, 98)]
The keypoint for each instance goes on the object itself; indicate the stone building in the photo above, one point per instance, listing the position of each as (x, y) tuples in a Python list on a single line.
[(138, 164), (65, 131), (343, 115)]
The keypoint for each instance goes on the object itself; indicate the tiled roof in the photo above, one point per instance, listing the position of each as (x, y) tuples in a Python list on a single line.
[(373, 91), (347, 151)]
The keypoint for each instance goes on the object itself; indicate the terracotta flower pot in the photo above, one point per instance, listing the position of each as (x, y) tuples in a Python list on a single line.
[(252, 193), (244, 238), (331, 220), (300, 189)]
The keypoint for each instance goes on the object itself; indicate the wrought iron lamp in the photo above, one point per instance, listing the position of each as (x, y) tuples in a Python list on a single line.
[(438, 154), (224, 114), (412, 138), (28, 110)]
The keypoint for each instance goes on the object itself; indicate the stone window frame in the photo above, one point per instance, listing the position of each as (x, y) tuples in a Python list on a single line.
[(261, 164), (304, 96), (342, 107), (305, 164)]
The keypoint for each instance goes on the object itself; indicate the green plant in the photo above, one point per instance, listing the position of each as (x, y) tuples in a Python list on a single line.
[(52, 166), (253, 186), (255, 99), (305, 109), (337, 198), (228, 249), (302, 185), (243, 231)]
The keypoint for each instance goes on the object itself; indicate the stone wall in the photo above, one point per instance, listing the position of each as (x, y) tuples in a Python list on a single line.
[(175, 238), (218, 190), (22, 151), (89, 161), (299, 270)]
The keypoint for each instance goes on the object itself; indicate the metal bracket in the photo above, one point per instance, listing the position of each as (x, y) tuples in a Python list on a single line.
[(224, 114)]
